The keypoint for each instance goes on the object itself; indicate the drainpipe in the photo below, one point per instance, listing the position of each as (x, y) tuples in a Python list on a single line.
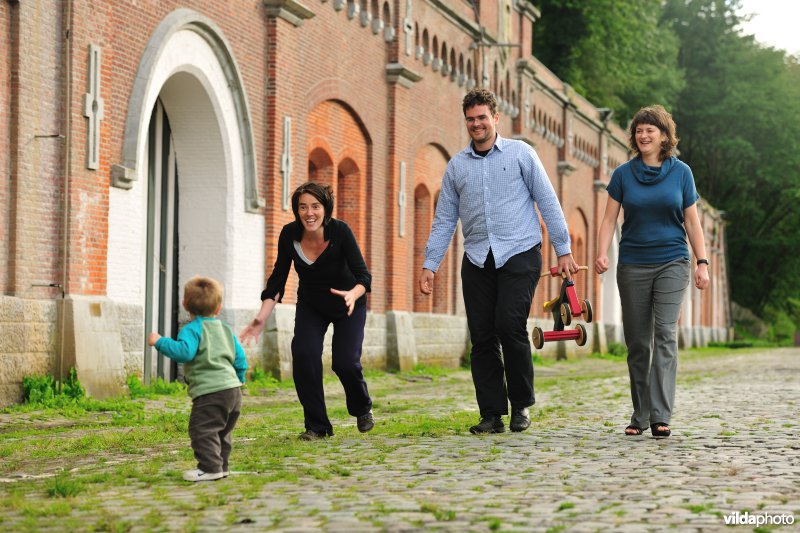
[(67, 172)]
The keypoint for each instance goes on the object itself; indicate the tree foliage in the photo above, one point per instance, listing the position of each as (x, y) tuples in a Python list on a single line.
[(613, 52), (739, 121), (736, 103)]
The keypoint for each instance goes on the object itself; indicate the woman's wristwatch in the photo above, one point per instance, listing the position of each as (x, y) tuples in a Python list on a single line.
[(702, 262)]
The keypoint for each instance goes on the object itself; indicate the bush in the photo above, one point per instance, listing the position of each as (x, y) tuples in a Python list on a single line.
[(733, 344), (617, 349), (781, 328), (43, 390), (156, 388)]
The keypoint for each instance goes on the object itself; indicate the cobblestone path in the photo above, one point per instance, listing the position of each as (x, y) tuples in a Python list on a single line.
[(735, 448)]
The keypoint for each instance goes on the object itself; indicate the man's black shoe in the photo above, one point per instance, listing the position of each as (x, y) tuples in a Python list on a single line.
[(520, 419), (365, 422), (488, 424), (310, 434)]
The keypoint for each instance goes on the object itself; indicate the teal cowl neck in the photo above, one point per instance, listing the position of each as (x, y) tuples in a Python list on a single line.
[(648, 175)]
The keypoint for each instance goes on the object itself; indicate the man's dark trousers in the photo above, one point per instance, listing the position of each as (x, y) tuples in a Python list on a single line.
[(498, 302)]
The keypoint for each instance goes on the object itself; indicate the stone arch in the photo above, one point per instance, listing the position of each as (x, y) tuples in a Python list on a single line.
[(430, 162), (338, 127), (143, 93), (387, 15), (320, 167), (188, 73), (351, 197), (578, 233)]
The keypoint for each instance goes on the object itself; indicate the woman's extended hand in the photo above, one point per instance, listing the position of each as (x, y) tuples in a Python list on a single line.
[(350, 296), (349, 299), (252, 331)]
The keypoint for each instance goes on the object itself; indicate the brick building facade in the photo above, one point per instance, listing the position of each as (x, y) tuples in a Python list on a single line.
[(145, 142)]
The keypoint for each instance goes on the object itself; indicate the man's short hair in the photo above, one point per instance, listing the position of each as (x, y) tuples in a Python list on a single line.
[(479, 97)]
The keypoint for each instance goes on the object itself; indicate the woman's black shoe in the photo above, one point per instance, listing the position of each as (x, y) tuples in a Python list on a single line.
[(660, 432)]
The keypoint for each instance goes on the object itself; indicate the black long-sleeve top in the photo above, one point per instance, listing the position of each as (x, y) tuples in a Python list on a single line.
[(340, 266)]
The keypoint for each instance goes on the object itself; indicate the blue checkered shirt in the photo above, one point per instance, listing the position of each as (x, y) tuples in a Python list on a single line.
[(494, 196)]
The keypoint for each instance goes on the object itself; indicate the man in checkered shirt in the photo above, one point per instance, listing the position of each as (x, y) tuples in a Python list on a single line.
[(492, 186)]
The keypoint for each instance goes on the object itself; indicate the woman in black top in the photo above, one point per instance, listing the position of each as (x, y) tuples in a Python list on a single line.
[(333, 282)]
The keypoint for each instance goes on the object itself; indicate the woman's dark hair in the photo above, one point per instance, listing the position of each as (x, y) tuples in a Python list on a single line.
[(323, 193), (655, 115)]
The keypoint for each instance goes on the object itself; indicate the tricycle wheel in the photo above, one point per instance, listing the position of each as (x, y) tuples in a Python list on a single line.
[(581, 340), (566, 314), (538, 338), (586, 309)]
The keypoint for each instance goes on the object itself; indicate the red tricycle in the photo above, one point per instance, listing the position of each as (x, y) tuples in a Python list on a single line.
[(564, 306)]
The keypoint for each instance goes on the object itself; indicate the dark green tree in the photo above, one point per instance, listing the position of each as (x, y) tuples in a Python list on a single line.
[(739, 122), (616, 53)]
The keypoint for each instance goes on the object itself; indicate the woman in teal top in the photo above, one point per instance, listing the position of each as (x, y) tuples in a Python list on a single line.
[(657, 193)]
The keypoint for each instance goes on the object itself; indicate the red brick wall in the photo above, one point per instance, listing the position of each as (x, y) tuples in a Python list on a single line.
[(350, 128), (122, 30), (7, 27), (33, 150), (428, 168)]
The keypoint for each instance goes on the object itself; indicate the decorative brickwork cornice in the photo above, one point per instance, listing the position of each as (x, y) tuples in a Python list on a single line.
[(289, 10), (397, 73)]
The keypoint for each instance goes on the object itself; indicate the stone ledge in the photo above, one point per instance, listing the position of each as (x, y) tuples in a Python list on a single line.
[(289, 10)]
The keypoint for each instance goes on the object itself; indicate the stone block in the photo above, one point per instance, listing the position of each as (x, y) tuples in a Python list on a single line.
[(11, 309), (598, 340), (39, 311), (401, 345), (10, 393), (12, 337), (93, 345)]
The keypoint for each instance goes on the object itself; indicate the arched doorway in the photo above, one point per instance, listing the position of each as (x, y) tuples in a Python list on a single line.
[(190, 208)]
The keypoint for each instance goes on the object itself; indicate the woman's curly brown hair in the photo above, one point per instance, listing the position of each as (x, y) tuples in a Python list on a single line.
[(659, 117)]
